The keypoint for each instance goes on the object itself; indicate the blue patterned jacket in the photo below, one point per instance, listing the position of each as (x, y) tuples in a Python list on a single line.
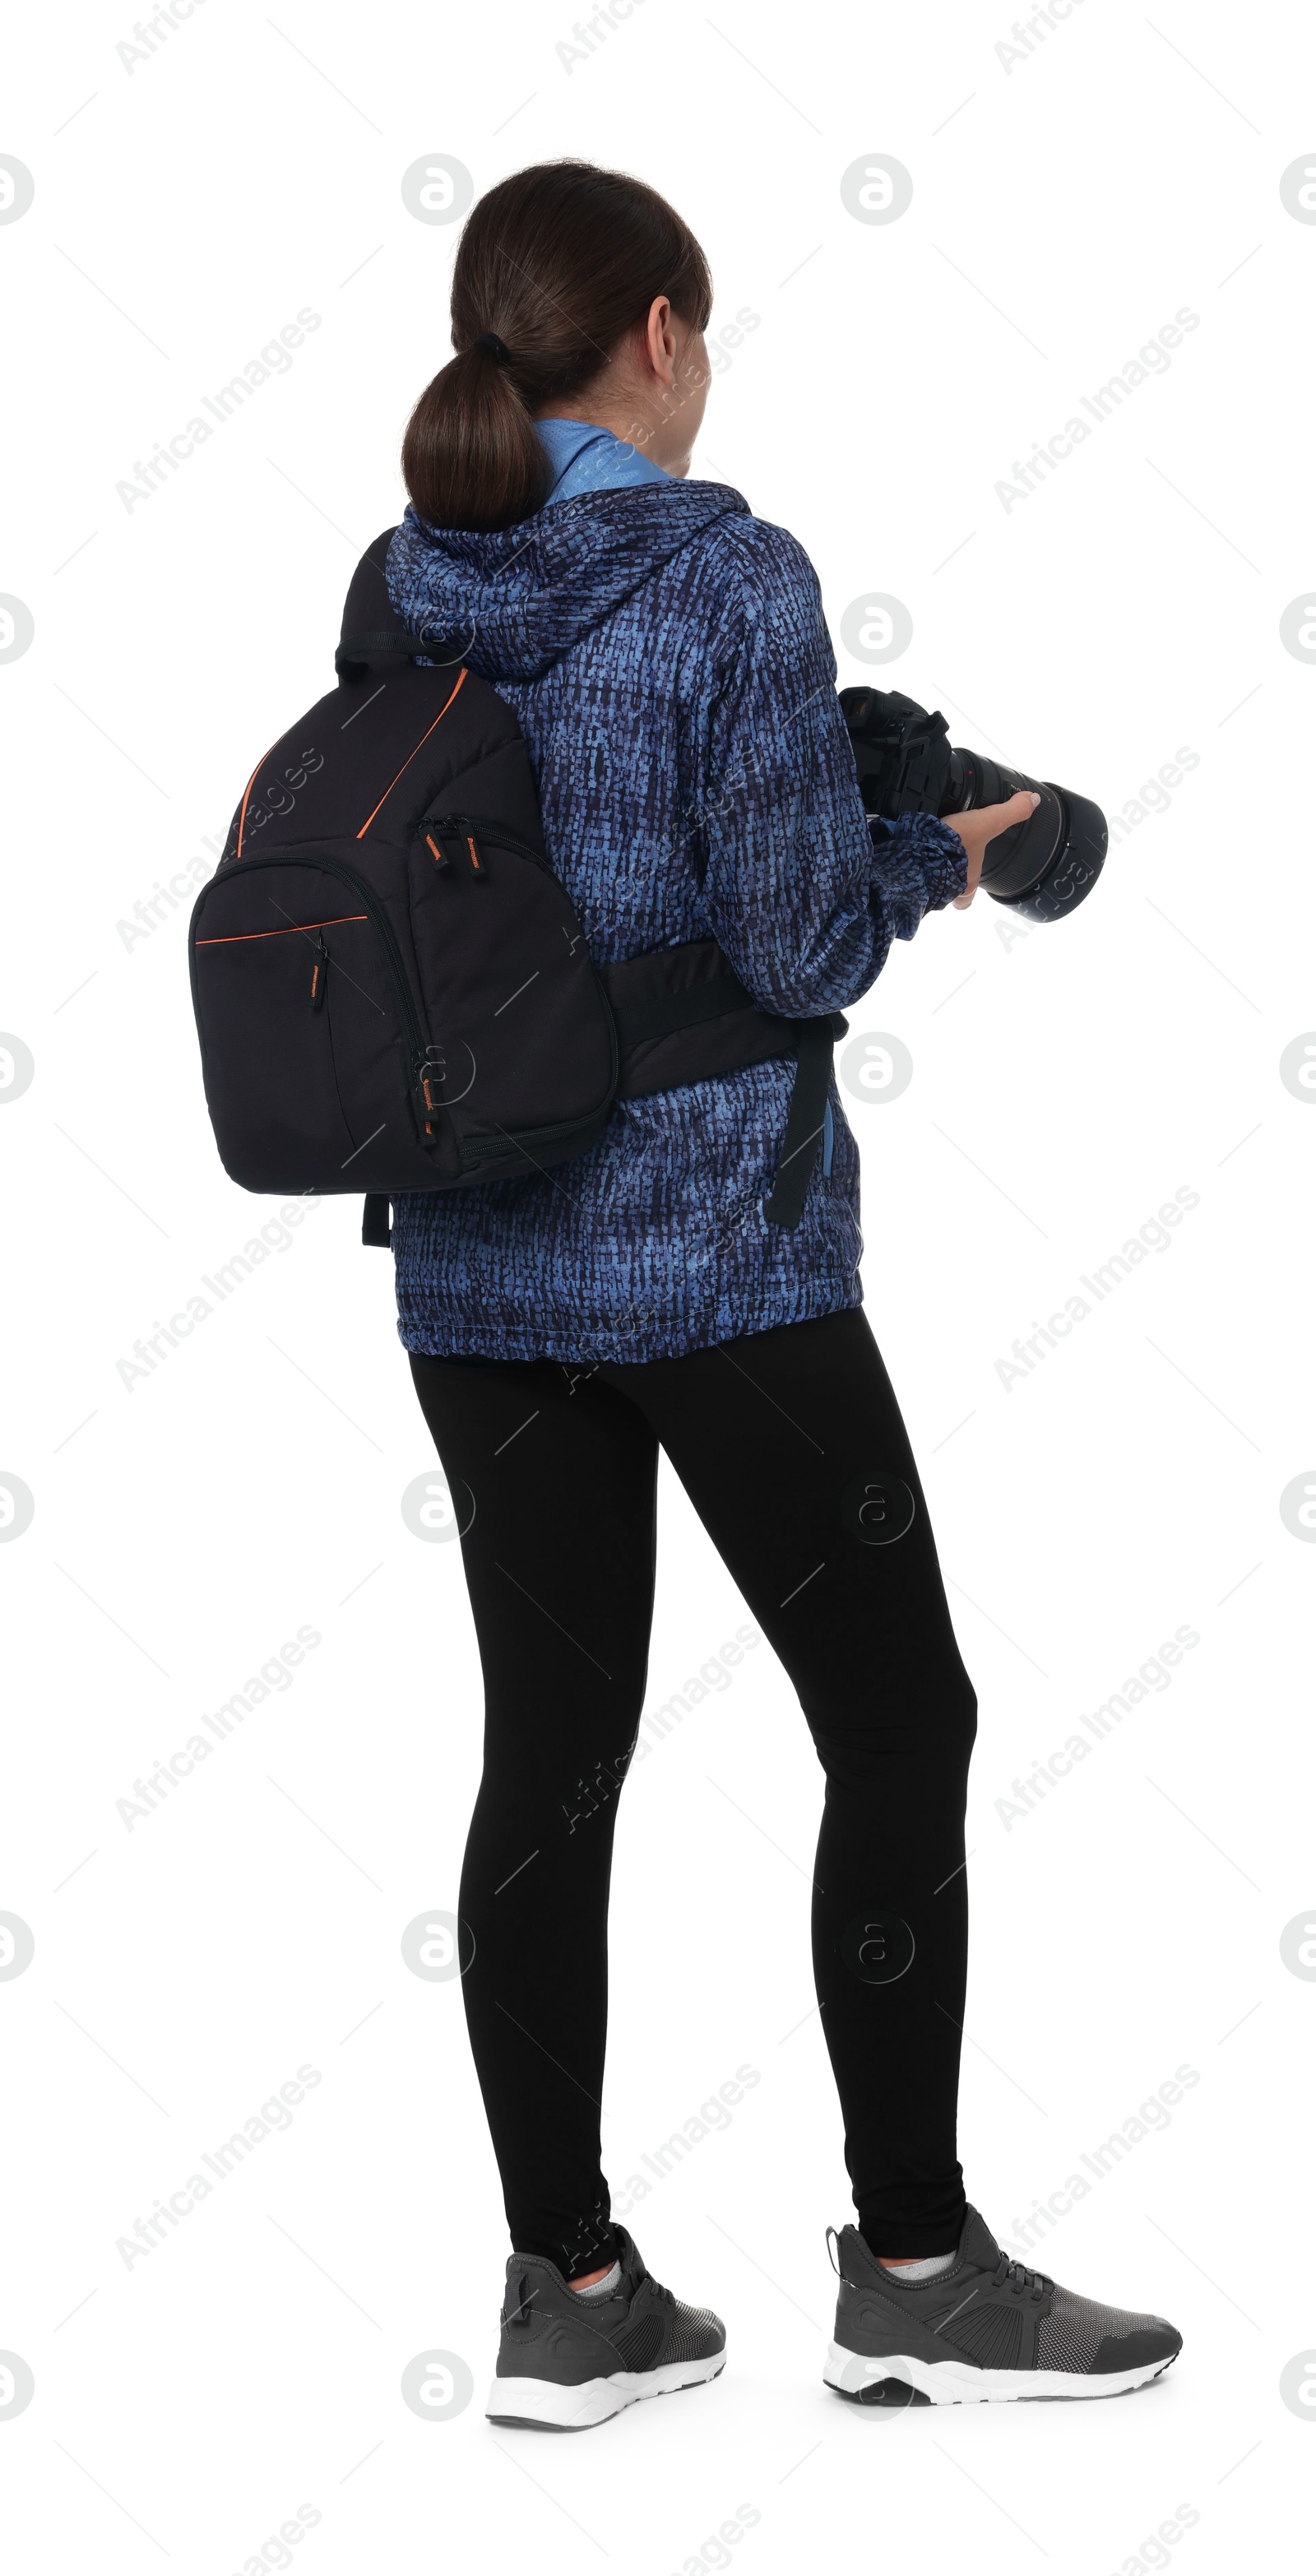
[(667, 658)]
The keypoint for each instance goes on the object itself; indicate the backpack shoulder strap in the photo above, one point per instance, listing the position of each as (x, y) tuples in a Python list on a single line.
[(371, 630), (682, 1015)]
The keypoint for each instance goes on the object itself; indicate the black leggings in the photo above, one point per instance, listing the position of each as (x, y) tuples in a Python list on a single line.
[(792, 1450)]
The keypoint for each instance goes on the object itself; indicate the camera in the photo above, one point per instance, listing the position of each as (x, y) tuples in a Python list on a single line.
[(907, 764)]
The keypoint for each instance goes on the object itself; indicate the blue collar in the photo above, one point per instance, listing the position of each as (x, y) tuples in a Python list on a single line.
[(585, 459)]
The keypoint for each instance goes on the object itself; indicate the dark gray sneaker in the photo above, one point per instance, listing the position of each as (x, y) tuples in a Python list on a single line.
[(989, 2327), (565, 2361)]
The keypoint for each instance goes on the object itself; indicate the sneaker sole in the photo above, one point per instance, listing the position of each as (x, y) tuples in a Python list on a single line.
[(542, 2406), (896, 2379)]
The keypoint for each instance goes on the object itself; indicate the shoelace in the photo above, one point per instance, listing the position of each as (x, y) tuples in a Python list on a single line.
[(1020, 2278)]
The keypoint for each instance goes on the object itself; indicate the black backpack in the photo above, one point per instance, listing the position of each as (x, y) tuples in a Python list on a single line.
[(392, 991)]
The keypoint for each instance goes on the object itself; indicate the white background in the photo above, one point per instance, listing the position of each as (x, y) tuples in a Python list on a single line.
[(1065, 207)]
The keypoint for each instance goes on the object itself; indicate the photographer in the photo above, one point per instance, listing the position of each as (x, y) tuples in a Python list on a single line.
[(665, 654)]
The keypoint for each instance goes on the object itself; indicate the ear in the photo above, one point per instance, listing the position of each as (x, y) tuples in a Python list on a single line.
[(660, 340)]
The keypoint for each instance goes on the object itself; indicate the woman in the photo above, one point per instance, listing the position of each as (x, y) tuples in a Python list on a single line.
[(666, 656)]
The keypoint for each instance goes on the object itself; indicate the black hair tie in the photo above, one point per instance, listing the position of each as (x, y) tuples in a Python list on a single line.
[(490, 340)]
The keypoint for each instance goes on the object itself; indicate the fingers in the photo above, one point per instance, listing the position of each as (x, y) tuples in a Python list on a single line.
[(985, 824), (1016, 809)]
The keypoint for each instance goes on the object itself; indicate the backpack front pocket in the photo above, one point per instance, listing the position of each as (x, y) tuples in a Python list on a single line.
[(313, 1052)]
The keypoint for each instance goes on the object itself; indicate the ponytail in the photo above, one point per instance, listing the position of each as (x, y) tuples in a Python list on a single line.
[(472, 457), (555, 266)]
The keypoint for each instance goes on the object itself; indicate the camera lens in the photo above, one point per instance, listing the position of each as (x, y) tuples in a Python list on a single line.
[(1074, 870), (1043, 867)]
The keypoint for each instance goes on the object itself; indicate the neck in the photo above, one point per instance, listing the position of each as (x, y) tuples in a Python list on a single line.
[(634, 418)]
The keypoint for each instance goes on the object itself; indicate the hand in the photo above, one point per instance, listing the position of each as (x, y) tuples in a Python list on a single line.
[(985, 824)]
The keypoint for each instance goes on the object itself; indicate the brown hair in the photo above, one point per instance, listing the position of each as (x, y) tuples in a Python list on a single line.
[(559, 262)]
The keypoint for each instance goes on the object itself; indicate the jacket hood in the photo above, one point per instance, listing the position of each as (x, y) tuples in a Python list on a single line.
[(518, 598)]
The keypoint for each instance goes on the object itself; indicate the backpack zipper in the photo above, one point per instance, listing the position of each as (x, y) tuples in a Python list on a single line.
[(471, 829)]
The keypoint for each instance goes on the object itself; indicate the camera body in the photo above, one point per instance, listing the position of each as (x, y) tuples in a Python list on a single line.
[(907, 764)]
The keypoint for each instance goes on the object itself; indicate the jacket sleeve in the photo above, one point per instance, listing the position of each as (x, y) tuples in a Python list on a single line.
[(803, 896)]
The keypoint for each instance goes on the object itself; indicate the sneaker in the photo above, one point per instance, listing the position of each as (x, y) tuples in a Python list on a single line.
[(988, 2327), (565, 2361)]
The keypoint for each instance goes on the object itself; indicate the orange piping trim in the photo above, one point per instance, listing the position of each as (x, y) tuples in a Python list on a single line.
[(237, 938), (412, 754), (242, 818)]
